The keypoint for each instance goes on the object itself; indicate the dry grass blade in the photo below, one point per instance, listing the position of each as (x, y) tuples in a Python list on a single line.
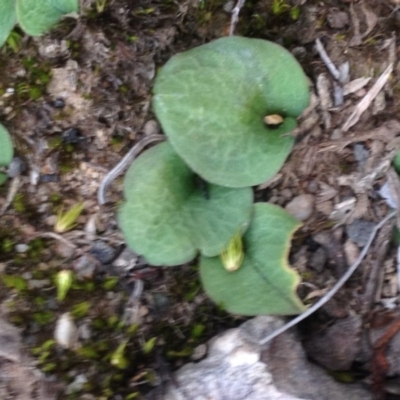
[(367, 100)]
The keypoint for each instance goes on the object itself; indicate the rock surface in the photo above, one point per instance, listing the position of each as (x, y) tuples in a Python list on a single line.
[(238, 368)]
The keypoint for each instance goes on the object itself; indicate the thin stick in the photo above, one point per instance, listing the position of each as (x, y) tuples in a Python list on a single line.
[(57, 237), (235, 16), (125, 163), (335, 288), (326, 59)]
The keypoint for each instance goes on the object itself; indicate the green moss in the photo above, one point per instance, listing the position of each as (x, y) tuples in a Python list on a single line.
[(36, 247), (80, 310), (7, 245), (110, 283), (43, 317), (14, 282), (18, 203)]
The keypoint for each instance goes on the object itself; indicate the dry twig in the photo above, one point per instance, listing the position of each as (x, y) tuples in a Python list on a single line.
[(235, 16), (326, 59), (124, 163)]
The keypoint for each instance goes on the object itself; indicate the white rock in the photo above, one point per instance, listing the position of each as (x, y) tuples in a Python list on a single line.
[(21, 248), (66, 332)]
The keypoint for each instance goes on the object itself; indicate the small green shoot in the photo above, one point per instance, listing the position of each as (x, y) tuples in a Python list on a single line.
[(67, 221), (80, 310), (232, 256), (118, 358), (13, 41), (295, 13), (63, 283), (149, 345), (279, 7), (100, 5)]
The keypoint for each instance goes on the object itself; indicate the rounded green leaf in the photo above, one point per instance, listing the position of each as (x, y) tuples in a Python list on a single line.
[(3, 178), (264, 284), (212, 100), (6, 147), (36, 17), (170, 214), (7, 19)]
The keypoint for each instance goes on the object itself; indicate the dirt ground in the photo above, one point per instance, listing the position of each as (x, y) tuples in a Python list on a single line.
[(76, 100)]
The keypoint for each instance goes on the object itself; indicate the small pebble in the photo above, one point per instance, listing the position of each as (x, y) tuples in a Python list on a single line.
[(58, 103), (318, 260), (16, 167), (103, 252), (286, 193), (312, 187), (337, 19), (77, 384), (38, 283), (21, 248), (66, 332), (85, 266), (72, 135), (46, 178), (126, 261), (151, 127), (199, 352), (359, 231), (228, 6), (301, 207), (161, 304)]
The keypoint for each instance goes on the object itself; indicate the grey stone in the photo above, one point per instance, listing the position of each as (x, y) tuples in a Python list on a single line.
[(238, 368), (103, 252), (301, 207), (16, 167), (359, 231)]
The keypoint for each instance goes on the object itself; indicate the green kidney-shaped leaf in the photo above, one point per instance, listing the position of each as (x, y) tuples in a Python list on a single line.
[(212, 100), (264, 284), (3, 178), (169, 214), (36, 17), (6, 147), (7, 19)]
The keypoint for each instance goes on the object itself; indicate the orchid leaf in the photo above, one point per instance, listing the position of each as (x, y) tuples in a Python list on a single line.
[(170, 215), (213, 101), (36, 17), (6, 147), (264, 283), (7, 19)]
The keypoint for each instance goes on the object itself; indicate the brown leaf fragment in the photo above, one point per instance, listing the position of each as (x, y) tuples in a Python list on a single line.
[(386, 133), (380, 364), (355, 85), (370, 18)]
